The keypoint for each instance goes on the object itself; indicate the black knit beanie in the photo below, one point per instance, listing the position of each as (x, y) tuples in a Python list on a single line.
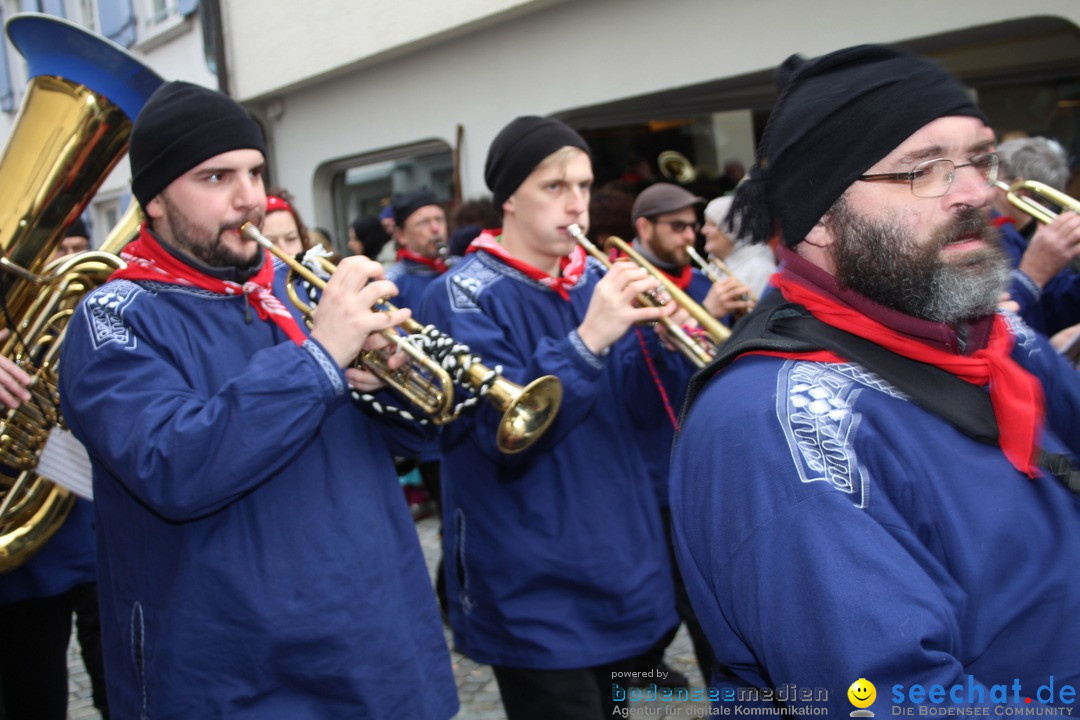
[(407, 203), (518, 149), (837, 115), (180, 126)]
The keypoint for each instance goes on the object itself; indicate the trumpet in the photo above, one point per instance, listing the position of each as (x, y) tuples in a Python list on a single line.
[(715, 269), (1036, 209), (715, 331), (1033, 207), (436, 364), (443, 249)]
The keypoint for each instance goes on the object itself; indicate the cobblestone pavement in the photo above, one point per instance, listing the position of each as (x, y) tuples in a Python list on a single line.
[(477, 689)]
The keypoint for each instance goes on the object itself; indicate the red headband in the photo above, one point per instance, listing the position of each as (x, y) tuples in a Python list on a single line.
[(274, 203)]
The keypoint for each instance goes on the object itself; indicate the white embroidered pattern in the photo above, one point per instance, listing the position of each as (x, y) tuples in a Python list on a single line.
[(104, 309), (1025, 336), (329, 367), (465, 286), (814, 404), (596, 361)]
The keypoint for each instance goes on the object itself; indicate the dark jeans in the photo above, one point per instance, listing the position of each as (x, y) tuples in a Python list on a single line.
[(580, 694), (34, 637)]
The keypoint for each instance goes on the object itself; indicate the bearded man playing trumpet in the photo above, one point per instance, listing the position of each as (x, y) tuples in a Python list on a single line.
[(255, 557), (557, 574), (665, 218), (913, 515)]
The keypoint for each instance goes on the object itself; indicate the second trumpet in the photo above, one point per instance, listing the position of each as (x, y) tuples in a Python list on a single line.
[(699, 352), (426, 380)]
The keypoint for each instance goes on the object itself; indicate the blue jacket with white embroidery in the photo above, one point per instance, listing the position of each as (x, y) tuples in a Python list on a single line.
[(256, 557), (555, 557), (830, 529)]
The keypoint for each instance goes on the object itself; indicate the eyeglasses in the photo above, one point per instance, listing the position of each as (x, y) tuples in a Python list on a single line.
[(679, 226), (933, 178)]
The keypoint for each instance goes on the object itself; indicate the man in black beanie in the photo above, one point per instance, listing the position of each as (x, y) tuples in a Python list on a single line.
[(556, 567), (850, 471), (256, 560)]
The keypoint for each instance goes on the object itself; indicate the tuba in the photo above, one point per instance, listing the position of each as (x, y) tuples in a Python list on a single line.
[(71, 130), (676, 167)]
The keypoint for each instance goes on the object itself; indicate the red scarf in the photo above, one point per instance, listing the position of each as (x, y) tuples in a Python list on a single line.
[(1015, 394), (147, 260), (571, 267), (435, 264)]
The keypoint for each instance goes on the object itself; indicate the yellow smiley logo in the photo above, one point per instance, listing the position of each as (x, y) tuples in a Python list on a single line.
[(862, 693)]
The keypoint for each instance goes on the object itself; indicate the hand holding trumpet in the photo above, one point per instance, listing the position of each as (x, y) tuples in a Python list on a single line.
[(728, 295), (346, 323), (1052, 247), (614, 306)]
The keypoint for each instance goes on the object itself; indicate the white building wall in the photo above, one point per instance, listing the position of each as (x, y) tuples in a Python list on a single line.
[(418, 78)]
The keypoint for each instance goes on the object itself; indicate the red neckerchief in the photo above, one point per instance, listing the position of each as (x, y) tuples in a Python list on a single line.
[(435, 264), (571, 267), (1015, 394), (147, 260), (999, 220)]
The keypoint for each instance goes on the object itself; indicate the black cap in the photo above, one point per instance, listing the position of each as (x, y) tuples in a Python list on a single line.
[(838, 115), (405, 204), (520, 147), (180, 126)]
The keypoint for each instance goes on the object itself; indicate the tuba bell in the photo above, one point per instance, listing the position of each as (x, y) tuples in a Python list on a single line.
[(71, 130), (676, 167)]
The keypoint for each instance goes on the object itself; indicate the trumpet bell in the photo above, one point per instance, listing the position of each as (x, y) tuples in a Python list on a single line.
[(528, 412)]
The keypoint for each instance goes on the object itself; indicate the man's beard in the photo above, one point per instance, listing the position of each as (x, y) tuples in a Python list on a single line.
[(207, 247), (675, 258), (883, 260)]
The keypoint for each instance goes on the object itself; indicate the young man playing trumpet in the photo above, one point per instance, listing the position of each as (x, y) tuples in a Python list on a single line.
[(256, 559), (556, 568)]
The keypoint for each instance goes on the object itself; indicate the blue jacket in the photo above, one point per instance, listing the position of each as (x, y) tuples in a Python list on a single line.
[(256, 557), (829, 529), (555, 557)]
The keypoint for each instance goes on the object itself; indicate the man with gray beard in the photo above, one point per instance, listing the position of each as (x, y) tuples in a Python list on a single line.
[(876, 479)]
